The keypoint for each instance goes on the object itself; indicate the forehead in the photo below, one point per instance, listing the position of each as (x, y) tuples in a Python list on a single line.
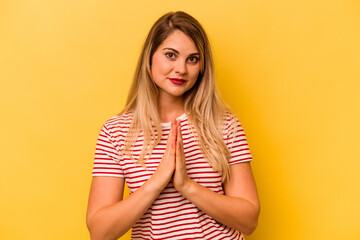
[(180, 42)]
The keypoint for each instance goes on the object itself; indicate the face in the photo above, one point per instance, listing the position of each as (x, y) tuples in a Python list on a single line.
[(175, 65)]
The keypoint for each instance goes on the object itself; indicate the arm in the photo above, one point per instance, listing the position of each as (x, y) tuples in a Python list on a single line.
[(108, 216), (239, 208)]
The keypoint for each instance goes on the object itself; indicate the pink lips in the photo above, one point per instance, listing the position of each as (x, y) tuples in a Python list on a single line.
[(177, 81)]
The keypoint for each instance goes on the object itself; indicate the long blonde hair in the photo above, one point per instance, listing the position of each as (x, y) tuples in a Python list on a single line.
[(203, 105)]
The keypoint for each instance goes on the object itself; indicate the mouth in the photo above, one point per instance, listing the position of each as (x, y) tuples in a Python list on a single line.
[(177, 81)]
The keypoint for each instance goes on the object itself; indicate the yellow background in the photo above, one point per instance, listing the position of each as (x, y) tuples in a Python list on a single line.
[(289, 69)]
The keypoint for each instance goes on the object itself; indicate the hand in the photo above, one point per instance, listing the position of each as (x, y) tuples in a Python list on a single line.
[(166, 168), (180, 179)]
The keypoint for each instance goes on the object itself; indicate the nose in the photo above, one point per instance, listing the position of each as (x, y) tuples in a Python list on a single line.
[(180, 67)]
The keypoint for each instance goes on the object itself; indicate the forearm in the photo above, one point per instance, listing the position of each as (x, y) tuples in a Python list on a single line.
[(237, 213), (113, 221)]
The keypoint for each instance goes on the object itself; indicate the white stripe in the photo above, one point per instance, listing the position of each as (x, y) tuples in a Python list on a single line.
[(170, 209)]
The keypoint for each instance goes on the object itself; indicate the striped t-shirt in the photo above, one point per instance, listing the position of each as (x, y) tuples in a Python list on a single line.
[(171, 216)]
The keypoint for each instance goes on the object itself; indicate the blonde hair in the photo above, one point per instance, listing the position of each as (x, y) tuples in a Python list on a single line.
[(204, 107)]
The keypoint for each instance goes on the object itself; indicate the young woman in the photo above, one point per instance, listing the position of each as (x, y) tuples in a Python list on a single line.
[(182, 153)]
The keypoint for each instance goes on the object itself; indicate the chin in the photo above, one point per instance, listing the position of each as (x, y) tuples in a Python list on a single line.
[(176, 94)]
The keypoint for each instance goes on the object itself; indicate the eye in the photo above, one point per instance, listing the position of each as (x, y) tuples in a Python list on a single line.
[(193, 59), (170, 55)]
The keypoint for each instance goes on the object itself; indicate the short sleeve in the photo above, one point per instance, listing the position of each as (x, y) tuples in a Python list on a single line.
[(236, 142), (106, 156)]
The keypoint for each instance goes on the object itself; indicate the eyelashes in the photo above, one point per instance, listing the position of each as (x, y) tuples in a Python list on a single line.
[(191, 59), (170, 55)]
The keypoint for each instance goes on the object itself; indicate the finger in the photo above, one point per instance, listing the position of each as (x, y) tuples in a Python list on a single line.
[(179, 135), (179, 142), (179, 128), (173, 138), (169, 136)]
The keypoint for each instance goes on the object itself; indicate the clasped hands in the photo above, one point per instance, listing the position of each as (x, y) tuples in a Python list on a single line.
[(172, 166)]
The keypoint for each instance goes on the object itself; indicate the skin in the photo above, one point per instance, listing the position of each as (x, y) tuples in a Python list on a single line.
[(109, 216), (176, 57)]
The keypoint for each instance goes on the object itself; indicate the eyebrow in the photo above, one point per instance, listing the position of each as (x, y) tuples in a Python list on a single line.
[(178, 51)]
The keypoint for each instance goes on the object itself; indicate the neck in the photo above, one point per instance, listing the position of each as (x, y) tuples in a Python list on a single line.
[(170, 107)]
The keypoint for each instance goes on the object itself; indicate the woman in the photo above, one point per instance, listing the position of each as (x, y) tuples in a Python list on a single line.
[(181, 151)]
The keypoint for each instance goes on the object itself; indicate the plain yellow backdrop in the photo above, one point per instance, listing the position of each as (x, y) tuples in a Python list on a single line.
[(289, 69)]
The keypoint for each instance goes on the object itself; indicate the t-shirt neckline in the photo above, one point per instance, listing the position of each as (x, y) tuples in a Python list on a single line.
[(168, 124)]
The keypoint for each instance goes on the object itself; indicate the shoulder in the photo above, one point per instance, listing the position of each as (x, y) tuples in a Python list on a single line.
[(118, 124), (121, 119), (230, 120), (229, 116), (232, 126)]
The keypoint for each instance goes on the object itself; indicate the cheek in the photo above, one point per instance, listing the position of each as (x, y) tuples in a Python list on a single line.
[(195, 72), (159, 66)]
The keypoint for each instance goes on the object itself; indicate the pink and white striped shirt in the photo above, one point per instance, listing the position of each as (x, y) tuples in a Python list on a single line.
[(171, 216)]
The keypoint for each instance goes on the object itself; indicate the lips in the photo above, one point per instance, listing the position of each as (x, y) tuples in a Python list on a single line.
[(177, 81)]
